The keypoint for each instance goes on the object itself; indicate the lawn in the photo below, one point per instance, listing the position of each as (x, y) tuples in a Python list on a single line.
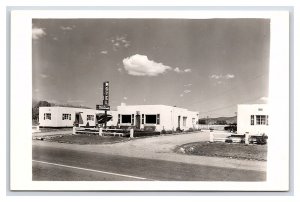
[(226, 150), (86, 139)]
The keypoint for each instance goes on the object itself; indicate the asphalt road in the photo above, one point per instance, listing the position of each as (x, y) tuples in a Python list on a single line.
[(57, 164)]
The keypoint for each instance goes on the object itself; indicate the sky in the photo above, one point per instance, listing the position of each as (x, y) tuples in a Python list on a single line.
[(204, 65)]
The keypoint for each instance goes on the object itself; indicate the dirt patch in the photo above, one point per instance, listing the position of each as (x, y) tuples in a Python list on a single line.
[(226, 150), (84, 139)]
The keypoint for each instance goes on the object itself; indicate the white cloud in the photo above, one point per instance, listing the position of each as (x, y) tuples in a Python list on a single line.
[(44, 76), (187, 85), (140, 65), (104, 52), (187, 91), (177, 70), (229, 76), (221, 76), (265, 99), (181, 95), (66, 28), (119, 42), (38, 33), (125, 98)]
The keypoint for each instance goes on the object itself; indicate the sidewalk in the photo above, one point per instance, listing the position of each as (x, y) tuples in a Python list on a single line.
[(161, 148)]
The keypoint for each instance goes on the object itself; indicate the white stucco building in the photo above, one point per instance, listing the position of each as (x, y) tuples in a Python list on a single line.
[(66, 116), (157, 116), (253, 118)]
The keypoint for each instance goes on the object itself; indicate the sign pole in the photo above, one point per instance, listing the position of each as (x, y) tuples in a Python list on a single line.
[(105, 112)]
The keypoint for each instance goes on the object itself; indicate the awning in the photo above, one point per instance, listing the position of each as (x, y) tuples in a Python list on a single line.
[(101, 118)]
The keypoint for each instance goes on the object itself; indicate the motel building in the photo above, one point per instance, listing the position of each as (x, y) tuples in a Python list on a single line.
[(67, 116), (156, 117), (148, 117), (253, 118)]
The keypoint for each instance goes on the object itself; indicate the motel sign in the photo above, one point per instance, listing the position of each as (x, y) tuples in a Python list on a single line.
[(106, 93)]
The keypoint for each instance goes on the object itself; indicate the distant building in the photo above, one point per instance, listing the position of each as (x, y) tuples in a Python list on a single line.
[(67, 116), (252, 118), (157, 117)]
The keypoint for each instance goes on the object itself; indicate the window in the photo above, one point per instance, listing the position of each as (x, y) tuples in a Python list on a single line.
[(184, 121), (66, 116), (90, 117), (260, 119), (158, 119), (126, 118), (132, 119), (150, 119), (252, 120), (193, 120), (119, 118), (47, 116), (143, 118)]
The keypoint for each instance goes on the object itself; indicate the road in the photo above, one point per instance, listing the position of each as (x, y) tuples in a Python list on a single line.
[(61, 164)]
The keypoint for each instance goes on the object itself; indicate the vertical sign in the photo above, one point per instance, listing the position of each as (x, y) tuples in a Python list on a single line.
[(106, 93)]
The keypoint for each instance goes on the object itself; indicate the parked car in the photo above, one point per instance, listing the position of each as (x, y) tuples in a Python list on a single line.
[(231, 127)]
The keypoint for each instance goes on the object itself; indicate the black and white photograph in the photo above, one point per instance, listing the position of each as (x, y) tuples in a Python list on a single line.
[(150, 99), (152, 102)]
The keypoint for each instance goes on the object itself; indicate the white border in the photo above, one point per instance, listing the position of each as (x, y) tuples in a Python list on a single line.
[(277, 174)]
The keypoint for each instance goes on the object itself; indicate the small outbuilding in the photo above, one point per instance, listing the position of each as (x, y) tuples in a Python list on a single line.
[(253, 118)]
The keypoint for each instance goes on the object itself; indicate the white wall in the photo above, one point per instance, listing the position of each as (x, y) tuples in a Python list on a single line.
[(168, 116), (244, 119), (57, 113)]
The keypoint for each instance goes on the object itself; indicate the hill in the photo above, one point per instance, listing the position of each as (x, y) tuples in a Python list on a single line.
[(219, 120)]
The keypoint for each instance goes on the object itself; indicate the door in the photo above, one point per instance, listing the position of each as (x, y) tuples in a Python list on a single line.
[(78, 119), (178, 122), (138, 121)]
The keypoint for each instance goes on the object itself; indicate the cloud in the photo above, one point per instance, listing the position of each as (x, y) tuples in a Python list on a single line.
[(178, 70), (187, 91), (229, 76), (38, 33), (265, 99), (220, 76), (66, 28), (187, 85), (120, 42), (44, 76), (140, 65), (104, 52), (125, 98), (181, 95)]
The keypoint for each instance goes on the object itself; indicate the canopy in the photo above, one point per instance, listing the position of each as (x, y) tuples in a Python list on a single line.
[(101, 118)]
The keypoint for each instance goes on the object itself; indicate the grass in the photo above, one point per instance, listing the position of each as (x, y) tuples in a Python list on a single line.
[(220, 149), (86, 139)]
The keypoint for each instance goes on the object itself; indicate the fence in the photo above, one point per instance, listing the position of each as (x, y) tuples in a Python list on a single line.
[(103, 131), (214, 127), (228, 137)]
